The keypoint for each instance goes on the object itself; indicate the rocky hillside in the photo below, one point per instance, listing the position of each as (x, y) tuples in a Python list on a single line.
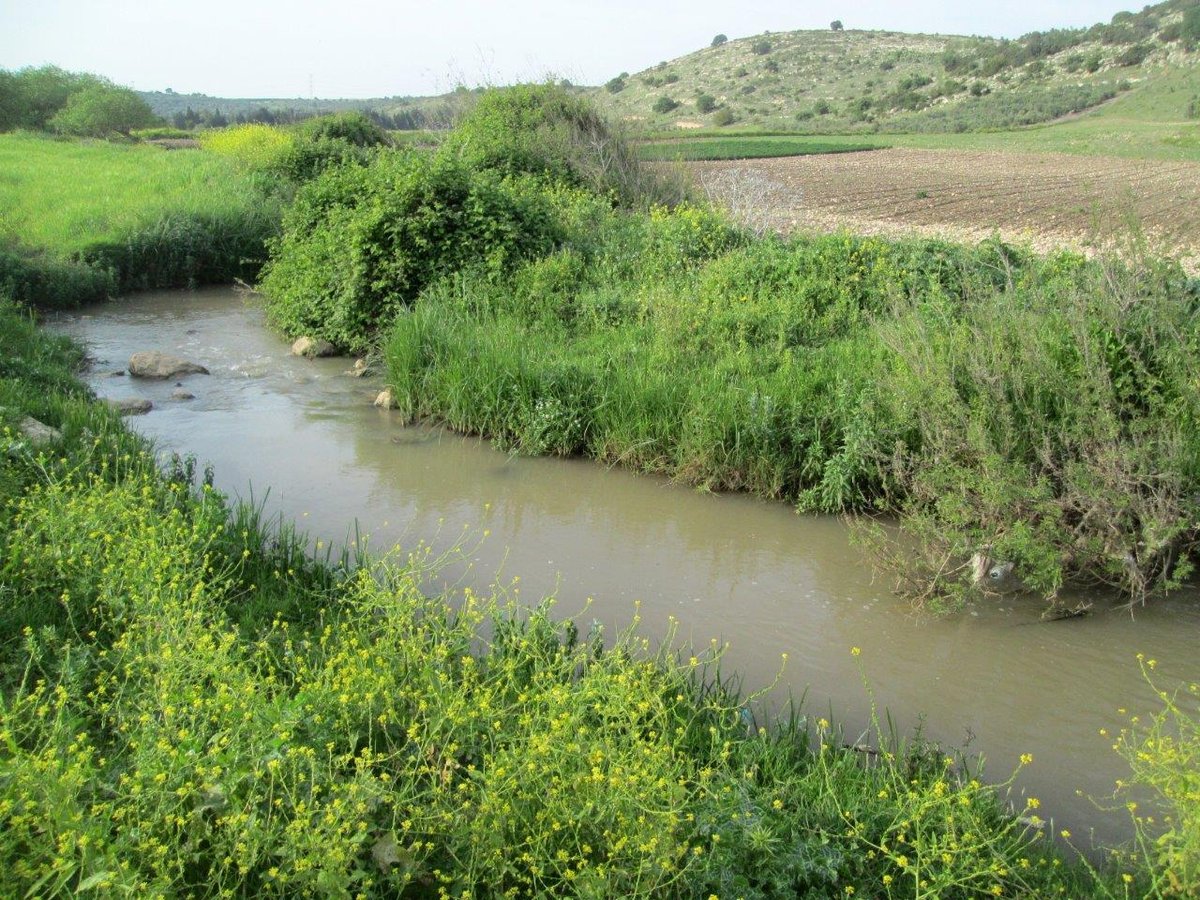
[(848, 80)]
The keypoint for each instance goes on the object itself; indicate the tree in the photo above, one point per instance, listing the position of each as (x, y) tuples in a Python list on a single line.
[(1189, 29), (719, 40), (706, 103), (665, 104), (102, 109), (835, 25)]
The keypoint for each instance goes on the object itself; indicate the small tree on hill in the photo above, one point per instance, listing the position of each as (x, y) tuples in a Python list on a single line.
[(835, 25), (706, 103), (719, 40), (665, 104), (1189, 29)]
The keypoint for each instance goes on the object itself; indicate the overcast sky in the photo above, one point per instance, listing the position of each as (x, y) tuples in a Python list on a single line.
[(372, 48)]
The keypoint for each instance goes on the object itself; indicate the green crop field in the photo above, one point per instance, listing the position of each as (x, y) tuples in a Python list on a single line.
[(751, 147)]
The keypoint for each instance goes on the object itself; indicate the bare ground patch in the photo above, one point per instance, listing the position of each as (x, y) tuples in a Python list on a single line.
[(1045, 200)]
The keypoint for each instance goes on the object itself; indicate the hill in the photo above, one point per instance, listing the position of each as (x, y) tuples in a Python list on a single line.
[(871, 81)]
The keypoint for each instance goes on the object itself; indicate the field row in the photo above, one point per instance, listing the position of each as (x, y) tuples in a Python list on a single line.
[(1048, 200)]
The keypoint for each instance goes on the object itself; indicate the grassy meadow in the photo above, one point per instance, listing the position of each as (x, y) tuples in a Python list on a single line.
[(82, 220), (191, 706)]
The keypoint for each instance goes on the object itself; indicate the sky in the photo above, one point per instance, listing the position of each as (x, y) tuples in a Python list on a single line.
[(377, 48)]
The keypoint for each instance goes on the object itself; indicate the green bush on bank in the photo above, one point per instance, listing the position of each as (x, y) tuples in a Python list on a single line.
[(360, 242), (551, 132)]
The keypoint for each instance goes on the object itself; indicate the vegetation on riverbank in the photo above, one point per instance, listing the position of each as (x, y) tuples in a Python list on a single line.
[(191, 707), (1040, 410)]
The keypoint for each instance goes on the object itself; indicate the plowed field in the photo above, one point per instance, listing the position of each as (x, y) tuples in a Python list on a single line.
[(1046, 200)]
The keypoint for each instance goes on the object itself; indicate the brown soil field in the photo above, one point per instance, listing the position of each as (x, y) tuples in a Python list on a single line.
[(1044, 200)]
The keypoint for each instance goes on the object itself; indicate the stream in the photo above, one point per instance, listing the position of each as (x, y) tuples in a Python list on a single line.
[(302, 437)]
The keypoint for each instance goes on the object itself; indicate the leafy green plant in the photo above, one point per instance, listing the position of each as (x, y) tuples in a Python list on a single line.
[(1163, 753), (99, 110), (360, 242)]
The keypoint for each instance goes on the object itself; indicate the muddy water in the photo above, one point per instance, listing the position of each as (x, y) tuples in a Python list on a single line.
[(304, 436)]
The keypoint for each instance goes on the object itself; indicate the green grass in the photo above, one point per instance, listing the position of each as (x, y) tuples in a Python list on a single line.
[(66, 196), (86, 219), (750, 147)]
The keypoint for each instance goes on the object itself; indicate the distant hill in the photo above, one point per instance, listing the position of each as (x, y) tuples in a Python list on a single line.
[(848, 80)]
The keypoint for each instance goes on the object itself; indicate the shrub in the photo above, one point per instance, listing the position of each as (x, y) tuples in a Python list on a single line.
[(355, 128), (665, 104), (615, 85), (723, 116), (1164, 756), (99, 110), (541, 129), (1134, 55), (760, 48), (1189, 28), (719, 40), (706, 103), (360, 242)]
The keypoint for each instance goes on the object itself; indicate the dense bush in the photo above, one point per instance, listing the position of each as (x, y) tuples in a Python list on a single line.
[(665, 104), (30, 97), (545, 130), (1007, 109), (40, 278), (100, 110), (360, 242), (1134, 55)]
